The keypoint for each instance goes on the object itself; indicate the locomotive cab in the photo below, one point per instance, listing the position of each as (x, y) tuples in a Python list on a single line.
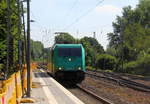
[(68, 62)]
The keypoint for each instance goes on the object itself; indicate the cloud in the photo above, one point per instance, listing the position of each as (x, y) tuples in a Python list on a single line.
[(108, 9)]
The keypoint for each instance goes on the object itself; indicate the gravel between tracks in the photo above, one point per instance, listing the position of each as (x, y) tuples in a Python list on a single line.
[(87, 99), (138, 79), (117, 94), (83, 96)]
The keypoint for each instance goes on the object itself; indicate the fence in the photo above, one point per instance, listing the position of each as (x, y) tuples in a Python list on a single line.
[(15, 86)]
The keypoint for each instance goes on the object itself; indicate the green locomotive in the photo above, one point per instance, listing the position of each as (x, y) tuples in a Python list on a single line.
[(67, 62)]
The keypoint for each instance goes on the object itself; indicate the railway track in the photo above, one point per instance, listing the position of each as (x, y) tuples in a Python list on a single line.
[(84, 94), (101, 99), (118, 79)]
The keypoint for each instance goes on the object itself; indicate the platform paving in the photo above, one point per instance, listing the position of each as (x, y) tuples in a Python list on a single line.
[(49, 91)]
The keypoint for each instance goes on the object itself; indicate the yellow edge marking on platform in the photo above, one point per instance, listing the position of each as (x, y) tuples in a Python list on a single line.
[(69, 94), (48, 93)]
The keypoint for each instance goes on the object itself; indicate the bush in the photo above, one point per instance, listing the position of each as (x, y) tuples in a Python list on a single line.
[(105, 61), (130, 67), (141, 66), (90, 68)]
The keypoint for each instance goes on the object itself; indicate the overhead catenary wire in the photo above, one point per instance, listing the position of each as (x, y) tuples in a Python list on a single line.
[(83, 15), (35, 19), (37, 24), (72, 7), (74, 4), (68, 14)]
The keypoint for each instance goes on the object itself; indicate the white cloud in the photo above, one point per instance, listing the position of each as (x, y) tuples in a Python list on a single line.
[(108, 9)]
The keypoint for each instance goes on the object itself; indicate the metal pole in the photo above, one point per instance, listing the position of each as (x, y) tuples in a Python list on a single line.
[(122, 45), (43, 49), (28, 48), (94, 55), (94, 35), (122, 53)]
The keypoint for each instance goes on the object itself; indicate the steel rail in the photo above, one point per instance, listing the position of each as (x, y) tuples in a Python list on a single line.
[(124, 82), (101, 99)]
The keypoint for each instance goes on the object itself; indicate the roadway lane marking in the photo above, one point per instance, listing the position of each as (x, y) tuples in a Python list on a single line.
[(48, 93), (68, 93)]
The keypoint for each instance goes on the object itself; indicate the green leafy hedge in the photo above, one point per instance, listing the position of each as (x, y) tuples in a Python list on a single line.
[(141, 66), (105, 61)]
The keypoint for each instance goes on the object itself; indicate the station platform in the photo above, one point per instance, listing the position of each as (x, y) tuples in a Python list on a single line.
[(49, 91)]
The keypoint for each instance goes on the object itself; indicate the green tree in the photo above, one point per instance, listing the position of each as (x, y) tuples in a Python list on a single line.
[(37, 50), (132, 26), (105, 61), (3, 34), (131, 32), (64, 38), (92, 48), (93, 43)]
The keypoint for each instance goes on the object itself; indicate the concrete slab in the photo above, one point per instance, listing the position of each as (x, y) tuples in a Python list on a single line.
[(50, 91)]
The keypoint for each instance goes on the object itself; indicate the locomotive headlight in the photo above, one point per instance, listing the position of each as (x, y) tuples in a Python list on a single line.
[(69, 59), (79, 68), (59, 68)]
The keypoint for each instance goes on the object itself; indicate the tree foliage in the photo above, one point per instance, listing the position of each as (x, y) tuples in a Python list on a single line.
[(92, 48), (140, 66), (64, 38), (37, 50), (13, 33), (131, 33), (105, 61), (2, 34)]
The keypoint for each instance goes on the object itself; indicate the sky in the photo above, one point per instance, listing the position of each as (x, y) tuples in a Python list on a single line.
[(78, 17)]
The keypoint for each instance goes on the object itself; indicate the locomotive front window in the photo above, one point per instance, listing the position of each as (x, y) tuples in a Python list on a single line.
[(76, 52), (63, 52), (69, 52)]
